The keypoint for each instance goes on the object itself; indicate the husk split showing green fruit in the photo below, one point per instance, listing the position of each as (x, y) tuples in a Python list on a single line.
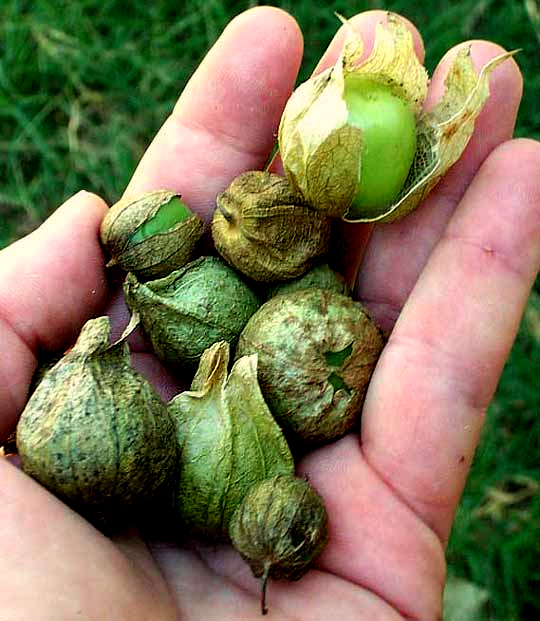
[(316, 352), (328, 141), (152, 234)]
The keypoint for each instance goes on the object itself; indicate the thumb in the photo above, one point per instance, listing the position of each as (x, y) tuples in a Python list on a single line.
[(51, 282)]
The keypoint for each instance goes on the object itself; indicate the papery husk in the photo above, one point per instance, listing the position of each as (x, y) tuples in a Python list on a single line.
[(319, 148), (279, 529), (262, 228), (227, 441), (184, 313), (321, 276), (321, 151), (316, 352), (159, 254), (444, 132), (96, 433)]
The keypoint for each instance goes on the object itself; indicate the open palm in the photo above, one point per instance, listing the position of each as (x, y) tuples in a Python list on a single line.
[(448, 283)]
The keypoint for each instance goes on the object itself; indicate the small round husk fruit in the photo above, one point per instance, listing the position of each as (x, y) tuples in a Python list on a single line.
[(328, 134), (151, 234), (96, 433), (279, 529), (262, 228), (316, 352), (227, 442), (192, 308)]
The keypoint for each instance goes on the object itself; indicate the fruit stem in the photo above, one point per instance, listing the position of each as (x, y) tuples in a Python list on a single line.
[(266, 574)]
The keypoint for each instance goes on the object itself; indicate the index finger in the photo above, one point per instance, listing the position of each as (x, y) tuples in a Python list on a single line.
[(226, 120)]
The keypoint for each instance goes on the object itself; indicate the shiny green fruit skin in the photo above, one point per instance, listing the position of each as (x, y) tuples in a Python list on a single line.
[(388, 143)]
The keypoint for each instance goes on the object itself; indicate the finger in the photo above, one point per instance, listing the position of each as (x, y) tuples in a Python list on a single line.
[(426, 403), (397, 252), (50, 283), (226, 120)]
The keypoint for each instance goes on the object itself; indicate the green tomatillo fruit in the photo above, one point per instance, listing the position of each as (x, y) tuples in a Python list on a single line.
[(227, 442), (151, 234), (193, 307), (279, 529), (355, 139), (263, 229), (96, 433), (388, 142), (316, 352)]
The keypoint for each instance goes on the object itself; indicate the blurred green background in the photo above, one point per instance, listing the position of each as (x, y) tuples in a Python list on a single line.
[(84, 86)]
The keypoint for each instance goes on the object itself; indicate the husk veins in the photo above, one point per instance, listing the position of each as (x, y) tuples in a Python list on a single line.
[(262, 228), (152, 234), (321, 151), (227, 440), (279, 529), (95, 432), (316, 351), (184, 313)]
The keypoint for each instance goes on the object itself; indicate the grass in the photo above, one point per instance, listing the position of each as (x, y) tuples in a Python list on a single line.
[(83, 89)]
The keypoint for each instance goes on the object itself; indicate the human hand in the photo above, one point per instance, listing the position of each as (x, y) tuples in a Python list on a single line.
[(449, 283)]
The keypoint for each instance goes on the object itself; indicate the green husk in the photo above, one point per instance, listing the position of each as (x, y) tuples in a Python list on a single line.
[(316, 351), (279, 529), (95, 432), (151, 234), (263, 228), (184, 313), (227, 441)]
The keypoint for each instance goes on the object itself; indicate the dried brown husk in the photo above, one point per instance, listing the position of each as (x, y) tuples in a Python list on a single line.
[(159, 254), (321, 150), (316, 352), (262, 228), (96, 433), (279, 529), (227, 441), (183, 314)]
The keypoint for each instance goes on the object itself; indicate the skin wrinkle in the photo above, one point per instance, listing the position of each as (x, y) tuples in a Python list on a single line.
[(238, 580), (413, 501), (431, 349), (486, 252), (396, 493)]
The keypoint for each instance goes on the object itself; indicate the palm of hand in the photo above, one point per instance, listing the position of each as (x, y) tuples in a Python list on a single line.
[(391, 495)]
